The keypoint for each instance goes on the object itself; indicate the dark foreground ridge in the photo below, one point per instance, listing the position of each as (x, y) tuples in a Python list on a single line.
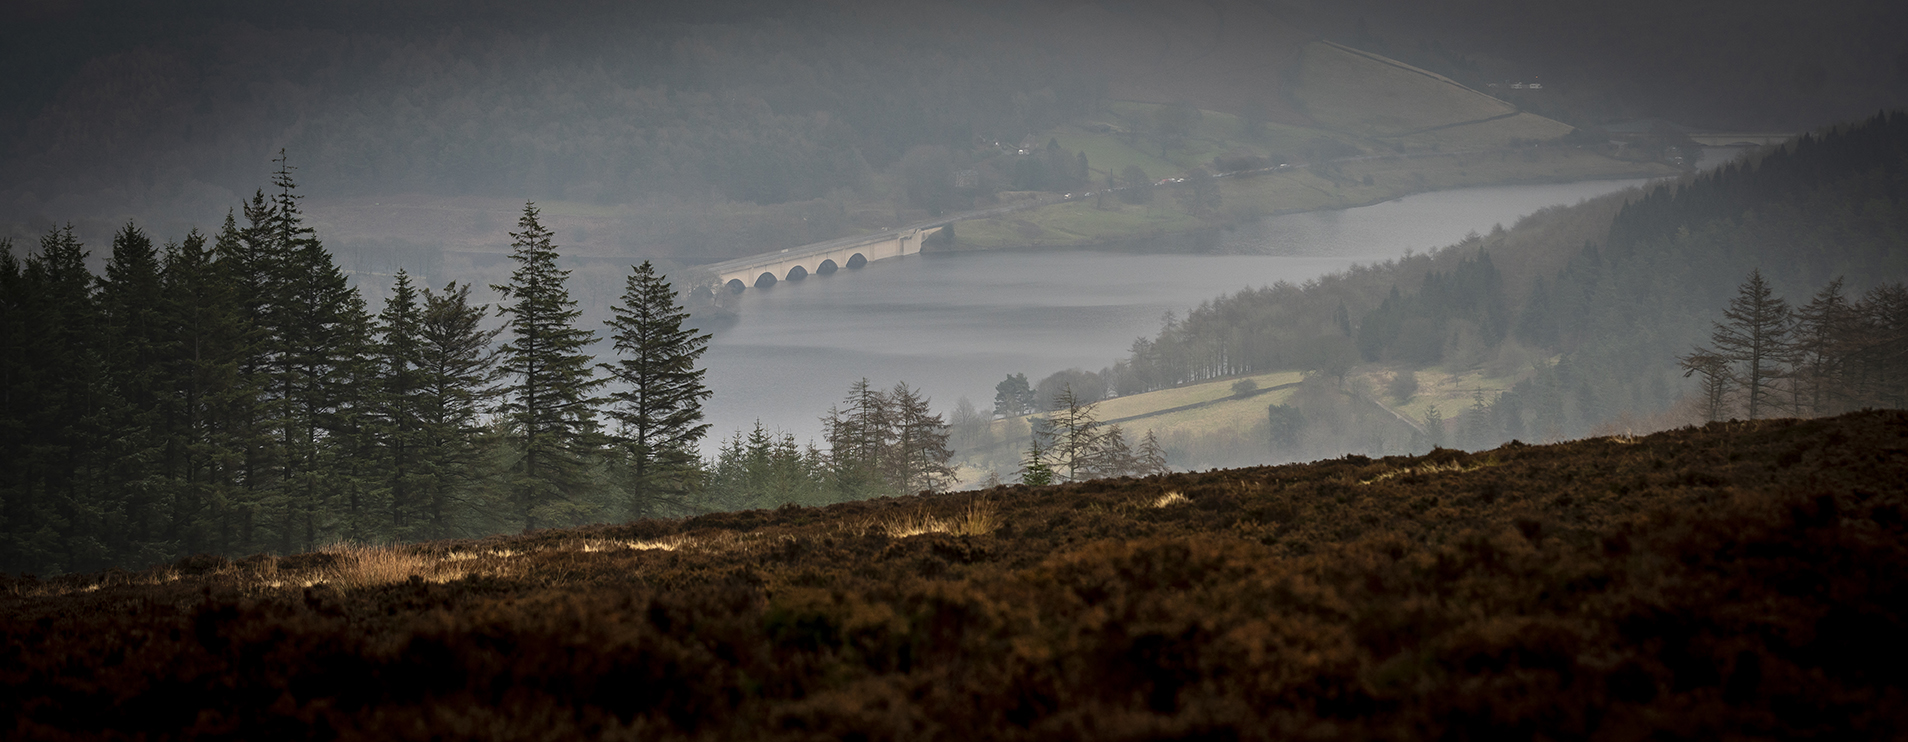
[(1741, 579)]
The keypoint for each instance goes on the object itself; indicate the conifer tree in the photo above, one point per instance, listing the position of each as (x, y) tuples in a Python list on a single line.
[(1034, 469), (59, 515), (321, 335), (1755, 336), (400, 403), (658, 406), (245, 264), (130, 302), (14, 407), (549, 403), (459, 375), (210, 403)]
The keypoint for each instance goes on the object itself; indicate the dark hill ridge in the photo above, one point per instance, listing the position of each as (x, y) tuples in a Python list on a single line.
[(1740, 579)]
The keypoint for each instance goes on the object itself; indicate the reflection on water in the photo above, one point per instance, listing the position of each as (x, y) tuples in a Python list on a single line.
[(955, 325)]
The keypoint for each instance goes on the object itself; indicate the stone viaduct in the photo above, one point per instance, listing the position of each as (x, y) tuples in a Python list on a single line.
[(821, 258)]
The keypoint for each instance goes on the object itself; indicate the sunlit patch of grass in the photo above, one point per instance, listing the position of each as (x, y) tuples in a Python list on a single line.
[(1170, 499), (1454, 467), (161, 575), (980, 517)]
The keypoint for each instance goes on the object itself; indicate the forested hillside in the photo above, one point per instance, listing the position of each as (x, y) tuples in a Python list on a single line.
[(1715, 64), (1588, 310)]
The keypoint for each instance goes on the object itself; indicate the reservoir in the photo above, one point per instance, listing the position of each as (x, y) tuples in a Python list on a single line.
[(954, 325)]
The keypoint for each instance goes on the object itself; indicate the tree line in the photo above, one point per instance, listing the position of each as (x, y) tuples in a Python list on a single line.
[(232, 393), (880, 442), (1829, 356)]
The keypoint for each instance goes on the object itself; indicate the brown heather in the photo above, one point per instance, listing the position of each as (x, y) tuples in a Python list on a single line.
[(1737, 580)]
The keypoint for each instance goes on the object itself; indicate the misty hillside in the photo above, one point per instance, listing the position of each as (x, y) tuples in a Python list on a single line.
[(174, 112), (1575, 320), (1733, 580)]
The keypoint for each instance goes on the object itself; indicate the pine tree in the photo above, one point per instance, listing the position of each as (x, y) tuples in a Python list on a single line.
[(130, 302), (459, 376), (1034, 469), (658, 406), (321, 341), (400, 404), (245, 263), (15, 504), (60, 509), (549, 402), (1013, 397), (1755, 336), (210, 402)]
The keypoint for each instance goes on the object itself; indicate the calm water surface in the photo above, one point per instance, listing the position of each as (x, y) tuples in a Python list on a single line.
[(955, 325)]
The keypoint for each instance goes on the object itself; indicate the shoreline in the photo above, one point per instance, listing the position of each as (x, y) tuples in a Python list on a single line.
[(1191, 240)]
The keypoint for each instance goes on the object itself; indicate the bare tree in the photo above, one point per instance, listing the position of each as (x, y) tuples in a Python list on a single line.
[(1076, 435), (921, 455), (1152, 457)]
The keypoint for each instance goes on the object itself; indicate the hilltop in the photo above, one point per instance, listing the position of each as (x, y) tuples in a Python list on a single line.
[(1738, 579), (699, 132)]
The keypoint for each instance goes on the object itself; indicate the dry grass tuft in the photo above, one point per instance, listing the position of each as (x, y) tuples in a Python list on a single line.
[(979, 518), (360, 566), (1170, 499), (913, 524)]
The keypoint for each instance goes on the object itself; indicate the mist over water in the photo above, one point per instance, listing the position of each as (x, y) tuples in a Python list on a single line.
[(955, 325)]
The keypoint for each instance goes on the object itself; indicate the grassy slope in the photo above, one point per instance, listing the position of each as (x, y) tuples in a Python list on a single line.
[(1737, 580)]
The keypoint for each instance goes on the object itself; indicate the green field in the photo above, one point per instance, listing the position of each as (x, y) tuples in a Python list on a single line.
[(1358, 94), (1218, 409)]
